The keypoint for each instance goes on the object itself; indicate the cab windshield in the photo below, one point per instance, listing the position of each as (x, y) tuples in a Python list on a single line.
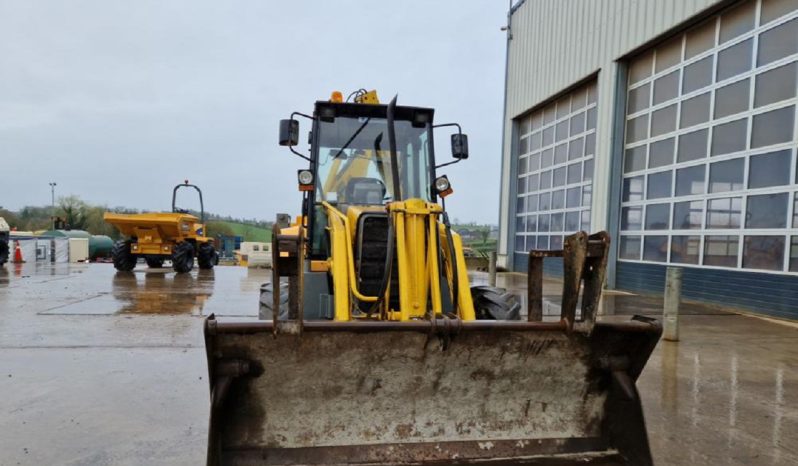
[(354, 161)]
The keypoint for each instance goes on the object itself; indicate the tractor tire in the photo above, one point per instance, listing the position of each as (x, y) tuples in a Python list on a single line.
[(154, 262), (492, 303), (124, 260), (4, 250), (183, 257), (267, 302), (207, 256)]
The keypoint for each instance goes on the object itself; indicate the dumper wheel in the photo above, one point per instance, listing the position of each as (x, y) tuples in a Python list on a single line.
[(183, 257), (154, 262), (207, 256), (491, 303), (3, 251), (124, 260), (266, 301)]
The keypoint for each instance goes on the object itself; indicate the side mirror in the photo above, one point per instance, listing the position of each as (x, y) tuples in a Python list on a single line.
[(289, 132), (460, 146)]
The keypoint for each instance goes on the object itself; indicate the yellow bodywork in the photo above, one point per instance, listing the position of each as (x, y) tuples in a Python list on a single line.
[(157, 233), (418, 235)]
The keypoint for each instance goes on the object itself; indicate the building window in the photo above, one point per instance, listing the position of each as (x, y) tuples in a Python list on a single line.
[(556, 148), (710, 176)]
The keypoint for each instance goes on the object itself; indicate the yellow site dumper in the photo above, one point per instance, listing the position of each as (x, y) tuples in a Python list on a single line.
[(177, 236), (375, 348)]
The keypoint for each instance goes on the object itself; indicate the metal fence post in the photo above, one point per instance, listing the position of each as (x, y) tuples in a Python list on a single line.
[(672, 300), (534, 286), (492, 269)]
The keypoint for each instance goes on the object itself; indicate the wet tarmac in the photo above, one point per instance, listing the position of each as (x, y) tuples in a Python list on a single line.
[(100, 368)]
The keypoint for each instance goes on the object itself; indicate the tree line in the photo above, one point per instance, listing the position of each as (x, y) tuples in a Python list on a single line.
[(73, 213)]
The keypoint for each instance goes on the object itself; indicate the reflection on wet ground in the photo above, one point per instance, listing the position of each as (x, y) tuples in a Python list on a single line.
[(233, 292), (160, 292), (727, 393), (99, 367)]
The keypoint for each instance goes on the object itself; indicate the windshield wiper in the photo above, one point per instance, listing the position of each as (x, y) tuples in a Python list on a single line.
[(352, 138)]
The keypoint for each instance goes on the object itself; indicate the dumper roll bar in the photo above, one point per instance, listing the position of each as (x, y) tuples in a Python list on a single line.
[(199, 191)]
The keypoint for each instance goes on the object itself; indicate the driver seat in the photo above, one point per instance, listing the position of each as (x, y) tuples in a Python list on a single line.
[(364, 191)]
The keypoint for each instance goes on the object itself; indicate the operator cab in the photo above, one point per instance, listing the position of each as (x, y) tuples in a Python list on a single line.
[(351, 164)]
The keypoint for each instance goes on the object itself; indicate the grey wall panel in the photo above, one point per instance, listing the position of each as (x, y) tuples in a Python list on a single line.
[(776, 295), (558, 42), (552, 266)]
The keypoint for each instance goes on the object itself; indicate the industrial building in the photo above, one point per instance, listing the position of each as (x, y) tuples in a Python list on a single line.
[(669, 123)]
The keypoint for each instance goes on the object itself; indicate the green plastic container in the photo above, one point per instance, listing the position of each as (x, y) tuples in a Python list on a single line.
[(99, 245)]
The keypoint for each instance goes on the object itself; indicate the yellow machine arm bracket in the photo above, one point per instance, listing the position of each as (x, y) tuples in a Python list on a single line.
[(416, 251), (433, 267)]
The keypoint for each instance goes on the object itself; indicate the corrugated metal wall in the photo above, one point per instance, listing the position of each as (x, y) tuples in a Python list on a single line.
[(557, 43)]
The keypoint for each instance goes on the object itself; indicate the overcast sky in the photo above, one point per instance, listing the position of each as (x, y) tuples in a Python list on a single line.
[(117, 101)]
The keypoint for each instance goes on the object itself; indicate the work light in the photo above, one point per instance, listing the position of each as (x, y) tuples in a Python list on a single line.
[(442, 186), (305, 178)]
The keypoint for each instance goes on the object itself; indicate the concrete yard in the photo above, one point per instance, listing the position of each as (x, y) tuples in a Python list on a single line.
[(99, 368)]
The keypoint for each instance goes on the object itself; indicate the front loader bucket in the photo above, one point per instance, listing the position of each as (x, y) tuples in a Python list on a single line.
[(437, 391), (426, 392)]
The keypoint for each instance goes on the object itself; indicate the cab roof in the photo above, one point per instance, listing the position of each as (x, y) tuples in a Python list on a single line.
[(325, 109)]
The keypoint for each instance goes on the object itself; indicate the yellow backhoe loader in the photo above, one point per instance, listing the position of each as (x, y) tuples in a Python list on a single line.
[(377, 349)]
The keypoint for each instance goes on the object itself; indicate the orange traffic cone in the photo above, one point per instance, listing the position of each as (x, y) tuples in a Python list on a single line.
[(18, 253)]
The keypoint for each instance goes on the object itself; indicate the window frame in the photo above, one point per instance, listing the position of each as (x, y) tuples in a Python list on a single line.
[(648, 59), (531, 127)]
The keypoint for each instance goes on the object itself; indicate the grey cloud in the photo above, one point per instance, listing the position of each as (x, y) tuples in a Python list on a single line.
[(118, 101)]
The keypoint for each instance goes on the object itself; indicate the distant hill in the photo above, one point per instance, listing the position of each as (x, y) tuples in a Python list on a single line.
[(248, 232), (81, 215)]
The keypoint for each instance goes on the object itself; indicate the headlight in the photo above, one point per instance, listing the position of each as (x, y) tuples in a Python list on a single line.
[(442, 186), (305, 177)]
